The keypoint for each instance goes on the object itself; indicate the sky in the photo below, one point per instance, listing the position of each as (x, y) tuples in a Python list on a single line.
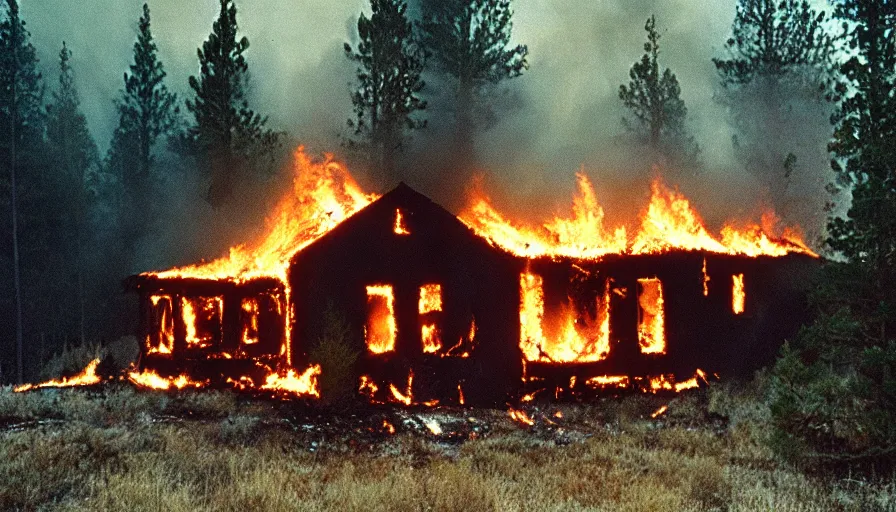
[(563, 114)]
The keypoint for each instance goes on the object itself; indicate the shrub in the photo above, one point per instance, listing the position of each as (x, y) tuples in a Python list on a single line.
[(337, 355)]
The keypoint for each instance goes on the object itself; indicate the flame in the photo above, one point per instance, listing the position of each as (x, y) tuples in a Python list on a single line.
[(368, 387), (400, 228), (582, 236), (433, 427), (738, 296), (430, 298), (520, 417), (574, 341), (292, 382), (324, 195), (152, 380), (432, 341), (250, 324), (388, 427), (651, 320), (430, 302), (659, 411), (705, 280), (211, 308), (460, 395), (87, 377), (669, 222), (166, 325), (381, 329), (407, 397), (620, 381)]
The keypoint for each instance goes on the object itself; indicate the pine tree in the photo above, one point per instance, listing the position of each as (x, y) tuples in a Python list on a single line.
[(774, 83), (74, 156), (390, 61), (654, 100), (774, 38), (147, 113), (834, 389), (227, 136), (470, 42), (21, 125)]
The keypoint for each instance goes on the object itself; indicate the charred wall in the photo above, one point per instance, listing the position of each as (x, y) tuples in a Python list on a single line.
[(478, 283)]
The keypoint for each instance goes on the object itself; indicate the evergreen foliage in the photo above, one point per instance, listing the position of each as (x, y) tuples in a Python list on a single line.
[(470, 43), (390, 61), (775, 82), (23, 183), (147, 112), (227, 137), (834, 389), (774, 38), (74, 159), (654, 100)]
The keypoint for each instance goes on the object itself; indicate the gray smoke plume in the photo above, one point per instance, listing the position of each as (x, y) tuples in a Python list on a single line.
[(563, 114)]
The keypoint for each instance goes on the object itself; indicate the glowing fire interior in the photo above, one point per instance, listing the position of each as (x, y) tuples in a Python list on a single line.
[(250, 321), (430, 306), (705, 280), (162, 339), (202, 317), (567, 338), (651, 316), (738, 296), (380, 330), (399, 228)]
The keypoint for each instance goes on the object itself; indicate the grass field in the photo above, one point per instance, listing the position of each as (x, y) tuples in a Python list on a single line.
[(120, 449)]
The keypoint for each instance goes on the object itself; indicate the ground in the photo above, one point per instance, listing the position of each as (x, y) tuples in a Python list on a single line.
[(117, 448)]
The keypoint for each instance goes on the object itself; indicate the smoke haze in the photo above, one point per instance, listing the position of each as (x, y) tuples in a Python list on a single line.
[(562, 114)]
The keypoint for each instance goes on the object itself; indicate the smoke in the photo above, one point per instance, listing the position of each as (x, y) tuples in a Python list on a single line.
[(563, 114)]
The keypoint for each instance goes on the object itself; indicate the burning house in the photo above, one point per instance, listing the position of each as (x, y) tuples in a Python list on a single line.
[(470, 309)]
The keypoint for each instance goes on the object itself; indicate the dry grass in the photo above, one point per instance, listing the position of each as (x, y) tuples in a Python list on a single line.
[(112, 451)]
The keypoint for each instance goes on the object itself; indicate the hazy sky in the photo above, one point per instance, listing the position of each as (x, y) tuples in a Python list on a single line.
[(565, 110)]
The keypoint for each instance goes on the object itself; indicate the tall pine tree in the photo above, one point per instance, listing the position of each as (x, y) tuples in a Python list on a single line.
[(834, 388), (74, 156), (390, 61), (147, 113), (775, 78), (470, 42), (21, 127), (654, 100), (227, 137)]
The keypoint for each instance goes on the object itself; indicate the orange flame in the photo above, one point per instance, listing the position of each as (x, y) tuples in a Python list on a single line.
[(651, 321), (400, 228), (152, 380), (87, 377), (659, 411), (582, 236), (520, 417), (292, 382), (250, 325), (407, 397), (738, 296), (573, 340), (325, 194), (669, 222), (381, 329)]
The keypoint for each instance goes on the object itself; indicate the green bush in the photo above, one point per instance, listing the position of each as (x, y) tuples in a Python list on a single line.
[(335, 351)]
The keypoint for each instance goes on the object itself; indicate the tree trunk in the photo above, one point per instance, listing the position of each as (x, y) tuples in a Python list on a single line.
[(20, 373)]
